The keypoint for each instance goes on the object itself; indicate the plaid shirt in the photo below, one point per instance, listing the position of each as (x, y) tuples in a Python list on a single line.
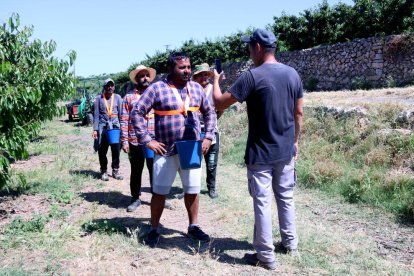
[(127, 130), (172, 128)]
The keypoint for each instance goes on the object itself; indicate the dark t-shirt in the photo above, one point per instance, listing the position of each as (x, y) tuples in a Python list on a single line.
[(270, 91)]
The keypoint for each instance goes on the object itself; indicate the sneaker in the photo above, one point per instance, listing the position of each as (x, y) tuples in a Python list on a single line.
[(168, 205), (116, 175), (196, 233), (104, 176), (152, 238), (135, 203), (212, 193), (253, 260)]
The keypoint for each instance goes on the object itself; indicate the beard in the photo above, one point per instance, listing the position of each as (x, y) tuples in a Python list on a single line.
[(186, 77), (143, 85)]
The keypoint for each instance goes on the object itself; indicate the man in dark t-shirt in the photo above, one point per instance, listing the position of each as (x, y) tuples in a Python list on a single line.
[(274, 96)]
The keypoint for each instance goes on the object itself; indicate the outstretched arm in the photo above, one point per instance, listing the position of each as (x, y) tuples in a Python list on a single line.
[(221, 101)]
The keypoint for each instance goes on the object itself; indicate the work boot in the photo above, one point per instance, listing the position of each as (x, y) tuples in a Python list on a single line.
[(104, 176), (135, 203), (212, 193), (116, 175)]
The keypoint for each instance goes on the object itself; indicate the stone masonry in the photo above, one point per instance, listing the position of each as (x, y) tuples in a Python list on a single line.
[(376, 60)]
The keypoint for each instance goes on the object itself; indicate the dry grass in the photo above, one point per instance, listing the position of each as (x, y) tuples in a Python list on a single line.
[(404, 96)]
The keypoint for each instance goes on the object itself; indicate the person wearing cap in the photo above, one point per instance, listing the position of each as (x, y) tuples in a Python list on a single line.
[(274, 97), (141, 76), (107, 115), (202, 75), (176, 101)]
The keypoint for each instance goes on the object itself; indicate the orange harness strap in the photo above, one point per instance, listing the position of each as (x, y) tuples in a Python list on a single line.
[(175, 112), (184, 107)]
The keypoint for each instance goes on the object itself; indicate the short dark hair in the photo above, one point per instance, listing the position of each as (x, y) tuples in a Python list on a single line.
[(172, 60), (267, 50)]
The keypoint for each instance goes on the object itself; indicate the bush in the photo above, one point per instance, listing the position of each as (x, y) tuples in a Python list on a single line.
[(311, 84), (360, 83), (32, 81)]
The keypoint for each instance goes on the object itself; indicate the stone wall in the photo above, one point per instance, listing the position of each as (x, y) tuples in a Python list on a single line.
[(375, 62)]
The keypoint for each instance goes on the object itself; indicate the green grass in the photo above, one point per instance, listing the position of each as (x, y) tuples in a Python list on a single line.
[(340, 158)]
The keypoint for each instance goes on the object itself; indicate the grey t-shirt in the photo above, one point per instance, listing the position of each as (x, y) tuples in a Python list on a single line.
[(270, 91)]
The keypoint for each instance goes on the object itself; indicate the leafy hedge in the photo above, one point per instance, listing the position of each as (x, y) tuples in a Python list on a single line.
[(31, 83), (321, 25)]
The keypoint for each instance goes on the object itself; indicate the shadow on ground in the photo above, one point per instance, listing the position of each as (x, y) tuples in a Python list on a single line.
[(113, 199), (93, 174), (218, 248)]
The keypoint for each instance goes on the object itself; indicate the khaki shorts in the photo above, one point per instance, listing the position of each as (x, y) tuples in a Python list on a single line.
[(165, 169)]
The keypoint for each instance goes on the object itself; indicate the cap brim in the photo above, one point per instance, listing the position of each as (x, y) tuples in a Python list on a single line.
[(245, 38)]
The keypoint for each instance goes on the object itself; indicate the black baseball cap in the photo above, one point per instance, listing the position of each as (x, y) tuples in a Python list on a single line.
[(263, 37)]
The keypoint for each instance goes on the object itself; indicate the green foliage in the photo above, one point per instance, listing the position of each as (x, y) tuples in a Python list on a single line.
[(227, 49), (339, 157), (311, 84), (31, 83), (103, 227), (342, 22), (19, 226), (360, 83)]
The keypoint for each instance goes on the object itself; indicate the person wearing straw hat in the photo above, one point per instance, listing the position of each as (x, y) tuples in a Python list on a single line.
[(202, 74), (176, 101), (141, 76), (274, 97), (107, 116)]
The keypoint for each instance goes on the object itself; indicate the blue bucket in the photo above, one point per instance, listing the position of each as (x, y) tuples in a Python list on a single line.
[(148, 153), (113, 135), (189, 153)]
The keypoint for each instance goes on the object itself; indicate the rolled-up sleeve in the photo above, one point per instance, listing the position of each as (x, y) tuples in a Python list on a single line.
[(124, 120), (139, 110)]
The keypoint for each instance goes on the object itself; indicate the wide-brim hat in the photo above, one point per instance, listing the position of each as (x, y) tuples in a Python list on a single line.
[(152, 72), (203, 68)]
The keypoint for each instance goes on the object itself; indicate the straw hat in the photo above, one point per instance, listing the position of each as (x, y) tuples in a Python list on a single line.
[(140, 68), (203, 68)]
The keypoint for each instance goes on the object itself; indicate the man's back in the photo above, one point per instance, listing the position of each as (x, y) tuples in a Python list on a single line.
[(270, 92)]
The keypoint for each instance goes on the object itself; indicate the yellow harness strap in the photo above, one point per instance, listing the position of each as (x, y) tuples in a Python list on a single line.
[(109, 109)]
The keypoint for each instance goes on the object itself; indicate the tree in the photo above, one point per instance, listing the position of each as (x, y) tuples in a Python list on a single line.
[(31, 83)]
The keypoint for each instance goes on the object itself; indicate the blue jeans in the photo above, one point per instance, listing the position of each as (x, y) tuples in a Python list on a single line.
[(262, 179), (211, 159)]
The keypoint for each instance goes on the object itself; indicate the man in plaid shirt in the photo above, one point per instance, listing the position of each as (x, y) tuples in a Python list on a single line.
[(141, 76), (175, 120)]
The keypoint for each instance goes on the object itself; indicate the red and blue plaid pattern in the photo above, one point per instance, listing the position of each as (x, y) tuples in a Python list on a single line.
[(172, 128), (127, 130)]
